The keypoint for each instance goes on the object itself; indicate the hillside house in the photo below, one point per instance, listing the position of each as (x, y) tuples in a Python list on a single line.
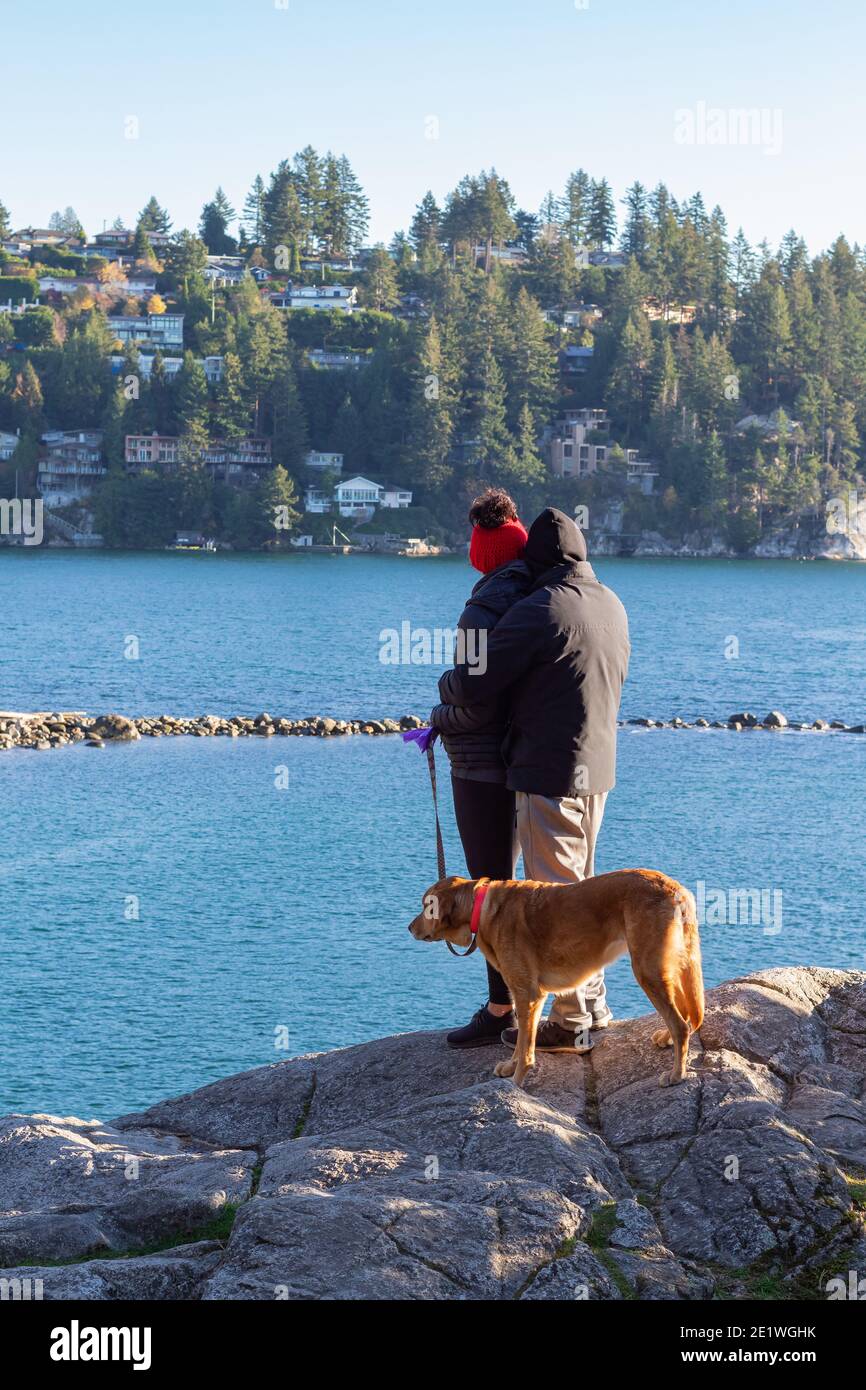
[(70, 466), (324, 297), (162, 331), (317, 459), (8, 445), (239, 461), (357, 498)]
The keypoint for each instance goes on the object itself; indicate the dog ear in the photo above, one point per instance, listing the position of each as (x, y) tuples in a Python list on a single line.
[(437, 906)]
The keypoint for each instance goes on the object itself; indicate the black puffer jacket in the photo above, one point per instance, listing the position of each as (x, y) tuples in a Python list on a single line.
[(561, 656), (473, 732)]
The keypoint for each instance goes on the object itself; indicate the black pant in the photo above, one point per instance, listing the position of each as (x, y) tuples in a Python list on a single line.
[(486, 820)]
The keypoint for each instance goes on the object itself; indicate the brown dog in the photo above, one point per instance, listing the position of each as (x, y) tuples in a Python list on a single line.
[(546, 938)]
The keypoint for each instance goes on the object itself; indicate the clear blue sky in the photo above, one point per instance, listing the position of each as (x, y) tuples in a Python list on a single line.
[(223, 90)]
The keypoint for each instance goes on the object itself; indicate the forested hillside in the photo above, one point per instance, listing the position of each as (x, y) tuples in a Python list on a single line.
[(461, 327)]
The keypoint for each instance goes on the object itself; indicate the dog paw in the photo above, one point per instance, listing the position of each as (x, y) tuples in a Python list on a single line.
[(670, 1079), (662, 1038), (505, 1068)]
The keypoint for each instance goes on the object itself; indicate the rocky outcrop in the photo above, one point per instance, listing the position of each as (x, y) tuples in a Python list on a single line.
[(401, 1170), (46, 731)]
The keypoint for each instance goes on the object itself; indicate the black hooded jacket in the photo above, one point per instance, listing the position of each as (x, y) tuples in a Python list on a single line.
[(473, 733), (560, 657)]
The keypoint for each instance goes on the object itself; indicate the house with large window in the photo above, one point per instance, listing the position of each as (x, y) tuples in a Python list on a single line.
[(70, 466), (325, 297), (162, 331), (357, 497), (571, 453), (236, 460)]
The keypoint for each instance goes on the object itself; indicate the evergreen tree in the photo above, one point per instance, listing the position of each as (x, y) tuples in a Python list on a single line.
[(232, 414), (216, 217), (630, 379), (154, 218), (253, 215), (636, 232), (494, 455), (530, 364), (426, 224), (379, 281), (528, 464), (601, 223), (432, 411), (190, 395), (574, 208)]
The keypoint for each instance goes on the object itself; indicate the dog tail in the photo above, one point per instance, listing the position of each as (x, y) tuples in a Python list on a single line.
[(691, 983)]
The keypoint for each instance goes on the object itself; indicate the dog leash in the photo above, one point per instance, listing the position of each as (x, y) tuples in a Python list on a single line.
[(440, 847), (426, 738)]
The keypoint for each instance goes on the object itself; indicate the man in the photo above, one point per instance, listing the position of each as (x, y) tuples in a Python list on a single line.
[(561, 654)]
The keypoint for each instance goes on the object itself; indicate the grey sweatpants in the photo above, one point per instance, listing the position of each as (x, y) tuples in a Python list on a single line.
[(557, 836)]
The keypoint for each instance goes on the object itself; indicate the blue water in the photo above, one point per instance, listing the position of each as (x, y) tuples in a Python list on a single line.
[(167, 909)]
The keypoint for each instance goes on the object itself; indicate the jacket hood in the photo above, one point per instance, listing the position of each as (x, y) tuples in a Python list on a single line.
[(554, 539)]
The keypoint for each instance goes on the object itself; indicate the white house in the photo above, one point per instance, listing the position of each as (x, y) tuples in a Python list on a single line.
[(329, 297), (395, 498), (357, 497)]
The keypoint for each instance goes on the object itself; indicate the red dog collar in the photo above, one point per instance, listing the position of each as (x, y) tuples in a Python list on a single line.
[(477, 905)]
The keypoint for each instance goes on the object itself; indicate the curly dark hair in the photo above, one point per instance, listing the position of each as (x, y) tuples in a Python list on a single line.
[(492, 509)]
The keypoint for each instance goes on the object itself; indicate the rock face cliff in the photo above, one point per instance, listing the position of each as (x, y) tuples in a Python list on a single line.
[(401, 1170)]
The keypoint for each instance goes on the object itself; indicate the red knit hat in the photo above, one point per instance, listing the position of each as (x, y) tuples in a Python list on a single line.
[(491, 547)]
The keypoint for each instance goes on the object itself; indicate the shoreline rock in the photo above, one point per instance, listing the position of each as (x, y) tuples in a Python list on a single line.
[(45, 731), (401, 1169)]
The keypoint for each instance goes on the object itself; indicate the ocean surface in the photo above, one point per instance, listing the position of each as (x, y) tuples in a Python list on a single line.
[(175, 910)]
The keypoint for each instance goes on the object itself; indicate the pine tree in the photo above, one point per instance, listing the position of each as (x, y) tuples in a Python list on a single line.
[(5, 226), (381, 290), (630, 378), (276, 509), (601, 224), (636, 232), (528, 465), (426, 224), (216, 217), (154, 218), (290, 442), (141, 247), (530, 363), (573, 210), (190, 395), (253, 215), (494, 453), (431, 414), (232, 415)]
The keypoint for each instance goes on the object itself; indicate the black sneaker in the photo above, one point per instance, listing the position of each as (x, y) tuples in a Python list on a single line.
[(552, 1037), (482, 1029)]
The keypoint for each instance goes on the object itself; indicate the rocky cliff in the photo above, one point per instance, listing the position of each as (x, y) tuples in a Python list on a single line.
[(401, 1170)]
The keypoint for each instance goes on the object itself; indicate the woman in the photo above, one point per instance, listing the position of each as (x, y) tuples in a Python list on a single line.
[(473, 735)]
